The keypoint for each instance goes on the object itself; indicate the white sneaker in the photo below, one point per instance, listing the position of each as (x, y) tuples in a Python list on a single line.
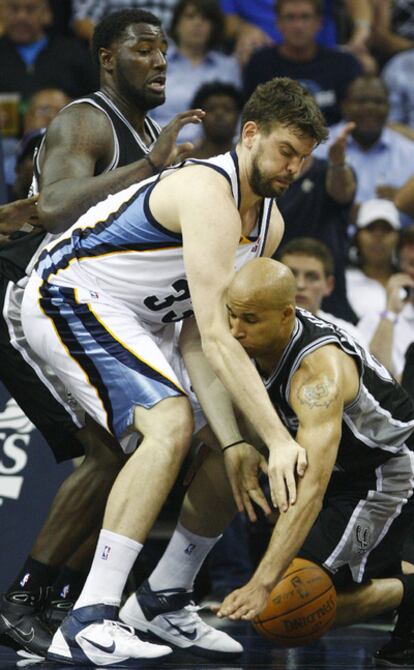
[(92, 636), (165, 615)]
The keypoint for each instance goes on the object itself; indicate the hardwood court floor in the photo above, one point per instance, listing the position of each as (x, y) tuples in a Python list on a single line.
[(343, 649)]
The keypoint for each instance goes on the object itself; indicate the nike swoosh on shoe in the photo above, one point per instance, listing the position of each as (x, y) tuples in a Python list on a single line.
[(26, 637), (101, 647), (190, 635)]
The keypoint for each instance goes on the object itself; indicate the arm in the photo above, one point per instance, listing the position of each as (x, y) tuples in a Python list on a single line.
[(404, 198), (361, 14), (382, 342), (340, 178), (210, 241), (77, 142), (382, 36), (317, 396)]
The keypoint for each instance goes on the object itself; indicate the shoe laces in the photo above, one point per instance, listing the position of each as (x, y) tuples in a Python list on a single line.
[(119, 629)]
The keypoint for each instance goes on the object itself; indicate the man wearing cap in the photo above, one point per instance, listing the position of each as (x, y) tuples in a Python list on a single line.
[(375, 243), (390, 331)]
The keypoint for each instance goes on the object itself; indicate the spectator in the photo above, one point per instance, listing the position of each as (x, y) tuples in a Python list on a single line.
[(41, 109), (87, 13), (318, 204), (222, 104), (251, 26), (404, 197), (312, 265), (382, 158), (197, 29), (30, 59), (325, 72), (398, 75), (392, 28), (376, 240), (390, 331)]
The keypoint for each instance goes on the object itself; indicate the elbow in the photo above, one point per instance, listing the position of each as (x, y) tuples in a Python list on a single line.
[(51, 216)]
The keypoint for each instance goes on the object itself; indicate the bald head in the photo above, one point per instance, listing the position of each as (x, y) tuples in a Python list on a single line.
[(264, 282)]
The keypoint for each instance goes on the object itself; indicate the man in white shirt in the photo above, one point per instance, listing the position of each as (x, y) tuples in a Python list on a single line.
[(312, 265), (390, 331)]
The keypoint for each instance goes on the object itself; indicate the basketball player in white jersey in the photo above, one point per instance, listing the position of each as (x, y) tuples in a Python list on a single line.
[(101, 306), (98, 144)]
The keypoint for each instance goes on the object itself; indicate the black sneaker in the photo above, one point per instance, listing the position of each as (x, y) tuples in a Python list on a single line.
[(55, 611), (399, 651), (20, 622)]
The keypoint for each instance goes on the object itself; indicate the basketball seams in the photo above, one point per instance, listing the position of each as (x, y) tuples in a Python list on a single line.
[(308, 602), (276, 637)]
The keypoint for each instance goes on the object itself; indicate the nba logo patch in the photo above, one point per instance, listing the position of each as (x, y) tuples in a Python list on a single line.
[(189, 550), (25, 579), (105, 553)]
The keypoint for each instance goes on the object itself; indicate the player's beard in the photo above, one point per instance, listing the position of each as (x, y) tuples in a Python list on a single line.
[(263, 186), (142, 98)]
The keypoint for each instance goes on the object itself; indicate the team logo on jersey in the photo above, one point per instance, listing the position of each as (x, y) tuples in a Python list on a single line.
[(362, 538), (189, 549)]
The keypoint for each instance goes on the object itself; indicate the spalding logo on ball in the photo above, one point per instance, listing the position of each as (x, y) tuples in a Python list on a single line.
[(301, 608)]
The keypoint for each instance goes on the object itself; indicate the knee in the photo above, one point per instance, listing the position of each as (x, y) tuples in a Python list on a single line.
[(170, 424)]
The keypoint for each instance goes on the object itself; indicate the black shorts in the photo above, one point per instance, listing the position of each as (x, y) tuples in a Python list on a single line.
[(56, 424), (359, 533)]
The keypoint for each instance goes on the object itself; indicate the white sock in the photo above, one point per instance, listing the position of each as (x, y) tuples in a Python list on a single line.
[(181, 561), (114, 557)]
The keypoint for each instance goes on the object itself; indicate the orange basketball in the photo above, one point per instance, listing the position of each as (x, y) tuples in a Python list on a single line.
[(301, 607)]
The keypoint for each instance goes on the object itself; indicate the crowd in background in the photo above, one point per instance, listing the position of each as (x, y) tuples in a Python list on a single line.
[(349, 235)]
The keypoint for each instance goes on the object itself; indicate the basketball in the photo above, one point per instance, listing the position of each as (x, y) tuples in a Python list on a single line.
[(301, 607)]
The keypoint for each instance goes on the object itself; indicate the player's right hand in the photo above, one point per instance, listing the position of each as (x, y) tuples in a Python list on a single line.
[(243, 465), (286, 461), (165, 151)]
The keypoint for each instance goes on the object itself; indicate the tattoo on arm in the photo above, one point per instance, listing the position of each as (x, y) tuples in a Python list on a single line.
[(319, 394)]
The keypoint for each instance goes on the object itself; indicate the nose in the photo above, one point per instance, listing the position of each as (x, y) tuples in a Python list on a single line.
[(160, 60), (236, 329), (295, 165)]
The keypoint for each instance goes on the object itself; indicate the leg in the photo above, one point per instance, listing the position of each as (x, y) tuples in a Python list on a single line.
[(133, 505), (367, 600), (78, 506), (160, 605)]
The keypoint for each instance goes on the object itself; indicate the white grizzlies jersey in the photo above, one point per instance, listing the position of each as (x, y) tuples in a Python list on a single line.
[(118, 253)]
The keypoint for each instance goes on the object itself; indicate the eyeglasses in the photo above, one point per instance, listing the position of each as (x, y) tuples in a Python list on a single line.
[(290, 18)]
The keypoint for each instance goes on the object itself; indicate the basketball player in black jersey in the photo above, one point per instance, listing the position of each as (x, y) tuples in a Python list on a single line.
[(95, 146), (354, 506)]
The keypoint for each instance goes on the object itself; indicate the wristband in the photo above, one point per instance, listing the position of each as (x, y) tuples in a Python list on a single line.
[(389, 316), (233, 444), (154, 168)]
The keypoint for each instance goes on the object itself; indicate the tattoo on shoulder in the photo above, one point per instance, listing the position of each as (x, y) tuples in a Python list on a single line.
[(320, 394)]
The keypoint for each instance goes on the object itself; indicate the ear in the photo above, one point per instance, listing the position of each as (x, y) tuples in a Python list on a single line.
[(330, 285), (106, 59), (288, 312), (248, 134)]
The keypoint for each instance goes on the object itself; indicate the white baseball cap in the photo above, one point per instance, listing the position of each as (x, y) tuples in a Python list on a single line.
[(378, 209)]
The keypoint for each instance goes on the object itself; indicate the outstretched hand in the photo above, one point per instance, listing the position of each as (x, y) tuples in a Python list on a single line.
[(337, 150), (243, 465), (244, 603), (165, 151)]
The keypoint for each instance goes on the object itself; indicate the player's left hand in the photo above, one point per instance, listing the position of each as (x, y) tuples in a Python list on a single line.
[(244, 603), (243, 465)]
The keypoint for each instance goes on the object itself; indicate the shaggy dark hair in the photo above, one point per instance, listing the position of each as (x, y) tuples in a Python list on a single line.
[(285, 102)]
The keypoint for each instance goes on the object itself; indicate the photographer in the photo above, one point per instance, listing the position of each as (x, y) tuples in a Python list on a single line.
[(391, 331)]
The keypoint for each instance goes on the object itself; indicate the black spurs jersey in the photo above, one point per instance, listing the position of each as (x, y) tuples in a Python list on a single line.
[(376, 426), (128, 147)]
